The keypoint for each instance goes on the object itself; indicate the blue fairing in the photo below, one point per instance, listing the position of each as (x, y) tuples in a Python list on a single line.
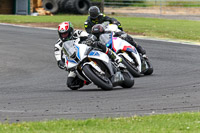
[(94, 53), (78, 53), (131, 50), (72, 61)]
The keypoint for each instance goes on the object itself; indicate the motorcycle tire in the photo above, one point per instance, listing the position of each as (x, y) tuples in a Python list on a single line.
[(96, 79), (128, 80), (132, 69), (78, 6), (51, 5), (61, 4)]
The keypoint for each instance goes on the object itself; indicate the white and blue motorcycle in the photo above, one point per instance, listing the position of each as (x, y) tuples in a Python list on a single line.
[(95, 66)]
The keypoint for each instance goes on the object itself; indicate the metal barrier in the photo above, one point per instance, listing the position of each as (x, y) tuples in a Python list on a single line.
[(161, 7)]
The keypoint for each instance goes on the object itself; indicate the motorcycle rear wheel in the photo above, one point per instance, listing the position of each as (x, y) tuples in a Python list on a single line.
[(128, 80)]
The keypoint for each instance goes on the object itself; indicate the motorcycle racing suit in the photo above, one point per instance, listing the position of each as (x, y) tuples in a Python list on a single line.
[(73, 81), (89, 23)]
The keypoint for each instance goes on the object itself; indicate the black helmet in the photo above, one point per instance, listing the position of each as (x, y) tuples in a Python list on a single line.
[(97, 30), (94, 12), (65, 31)]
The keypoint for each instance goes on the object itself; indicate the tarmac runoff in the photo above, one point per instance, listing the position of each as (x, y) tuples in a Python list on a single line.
[(134, 36)]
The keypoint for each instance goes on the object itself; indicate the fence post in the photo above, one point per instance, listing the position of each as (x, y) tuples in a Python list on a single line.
[(102, 6), (160, 7)]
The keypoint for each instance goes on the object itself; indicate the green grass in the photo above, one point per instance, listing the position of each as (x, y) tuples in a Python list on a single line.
[(165, 28), (166, 123), (78, 21), (175, 29)]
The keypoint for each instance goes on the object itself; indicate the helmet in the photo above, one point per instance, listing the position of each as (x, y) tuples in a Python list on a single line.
[(65, 31), (97, 30), (94, 12)]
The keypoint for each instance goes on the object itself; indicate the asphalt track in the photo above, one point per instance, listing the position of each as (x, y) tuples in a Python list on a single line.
[(32, 87)]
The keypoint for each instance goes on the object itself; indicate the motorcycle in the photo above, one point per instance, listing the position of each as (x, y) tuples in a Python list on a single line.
[(94, 66), (136, 64)]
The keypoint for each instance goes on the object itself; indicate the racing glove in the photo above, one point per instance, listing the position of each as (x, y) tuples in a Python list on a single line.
[(123, 36), (116, 22), (88, 42)]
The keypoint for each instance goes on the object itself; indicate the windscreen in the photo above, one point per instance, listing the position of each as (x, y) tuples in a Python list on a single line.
[(69, 48)]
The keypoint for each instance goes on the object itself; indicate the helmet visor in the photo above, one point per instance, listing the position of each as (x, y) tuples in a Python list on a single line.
[(64, 35), (94, 15)]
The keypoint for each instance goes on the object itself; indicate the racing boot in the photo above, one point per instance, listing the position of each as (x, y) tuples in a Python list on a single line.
[(138, 47), (140, 50), (118, 78), (114, 57), (73, 82)]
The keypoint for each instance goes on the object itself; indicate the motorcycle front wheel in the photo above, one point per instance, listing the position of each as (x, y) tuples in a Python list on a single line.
[(131, 67), (98, 79)]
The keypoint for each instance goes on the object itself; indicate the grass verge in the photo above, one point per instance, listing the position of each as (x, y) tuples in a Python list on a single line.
[(164, 28), (166, 123)]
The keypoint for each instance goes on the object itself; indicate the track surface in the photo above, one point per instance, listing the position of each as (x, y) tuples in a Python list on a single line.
[(32, 87)]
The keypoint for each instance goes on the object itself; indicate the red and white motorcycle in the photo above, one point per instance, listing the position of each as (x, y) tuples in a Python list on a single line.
[(136, 64)]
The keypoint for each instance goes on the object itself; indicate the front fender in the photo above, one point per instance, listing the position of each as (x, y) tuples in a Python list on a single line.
[(96, 67), (125, 55), (135, 55)]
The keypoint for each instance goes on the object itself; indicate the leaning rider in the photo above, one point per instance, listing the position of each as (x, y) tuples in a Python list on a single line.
[(95, 17), (66, 32)]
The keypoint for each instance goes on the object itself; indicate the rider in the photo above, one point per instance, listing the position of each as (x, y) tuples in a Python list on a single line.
[(98, 29), (95, 17), (66, 32)]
